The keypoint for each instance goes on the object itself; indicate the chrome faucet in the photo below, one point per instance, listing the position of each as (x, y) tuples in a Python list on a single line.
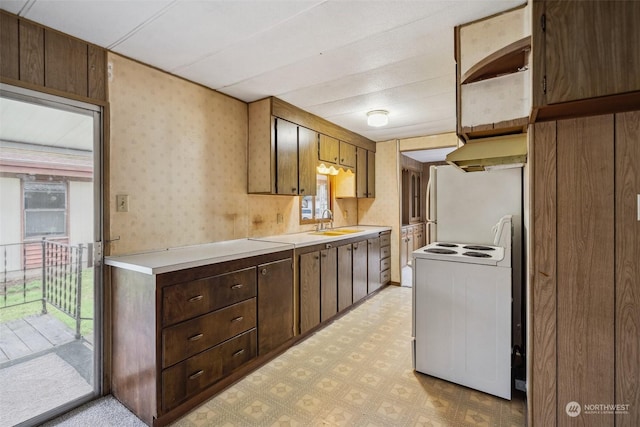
[(322, 227)]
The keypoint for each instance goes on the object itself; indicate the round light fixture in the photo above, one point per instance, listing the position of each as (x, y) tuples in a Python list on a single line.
[(377, 118)]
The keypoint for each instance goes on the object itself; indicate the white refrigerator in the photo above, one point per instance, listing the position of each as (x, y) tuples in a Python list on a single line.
[(464, 206)]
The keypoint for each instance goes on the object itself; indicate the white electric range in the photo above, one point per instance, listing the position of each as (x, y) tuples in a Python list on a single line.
[(462, 312)]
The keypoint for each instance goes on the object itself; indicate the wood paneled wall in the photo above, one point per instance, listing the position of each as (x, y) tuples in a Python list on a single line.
[(585, 271), (585, 263), (627, 269), (40, 58)]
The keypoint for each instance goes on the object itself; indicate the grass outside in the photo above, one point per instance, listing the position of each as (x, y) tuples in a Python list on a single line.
[(33, 292)]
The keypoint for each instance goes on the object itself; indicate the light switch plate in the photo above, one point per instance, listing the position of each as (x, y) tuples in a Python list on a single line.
[(122, 203)]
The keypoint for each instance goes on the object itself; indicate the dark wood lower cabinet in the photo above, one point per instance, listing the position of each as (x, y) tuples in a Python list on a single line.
[(360, 268), (275, 304), (309, 280), (166, 361), (373, 257), (190, 377), (328, 283), (345, 276)]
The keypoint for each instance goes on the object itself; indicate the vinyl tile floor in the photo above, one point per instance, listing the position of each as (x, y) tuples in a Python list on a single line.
[(357, 371)]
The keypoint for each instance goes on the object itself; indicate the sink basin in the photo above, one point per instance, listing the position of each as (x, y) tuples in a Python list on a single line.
[(336, 232)]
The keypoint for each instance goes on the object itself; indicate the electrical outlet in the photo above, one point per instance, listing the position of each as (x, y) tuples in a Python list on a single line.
[(279, 218), (122, 203)]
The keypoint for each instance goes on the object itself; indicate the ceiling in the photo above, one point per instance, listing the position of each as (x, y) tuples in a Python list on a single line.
[(337, 59), (56, 128)]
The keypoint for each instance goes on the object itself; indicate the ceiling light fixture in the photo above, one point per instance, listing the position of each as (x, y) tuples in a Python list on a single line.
[(377, 118)]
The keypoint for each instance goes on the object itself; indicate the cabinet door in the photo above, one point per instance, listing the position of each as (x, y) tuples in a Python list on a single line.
[(328, 283), (275, 304), (328, 149), (345, 277), (308, 157), (361, 172), (309, 291), (373, 257), (587, 49), (371, 174), (359, 270), (585, 257), (410, 242), (347, 154), (287, 157), (627, 287)]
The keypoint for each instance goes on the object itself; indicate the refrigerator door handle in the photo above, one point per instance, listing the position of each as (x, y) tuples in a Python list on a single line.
[(428, 195), (431, 207)]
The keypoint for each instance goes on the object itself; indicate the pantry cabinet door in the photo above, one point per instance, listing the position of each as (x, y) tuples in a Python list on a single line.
[(627, 266), (585, 262)]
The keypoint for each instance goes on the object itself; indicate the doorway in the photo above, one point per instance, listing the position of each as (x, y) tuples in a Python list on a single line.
[(50, 255), (416, 227)]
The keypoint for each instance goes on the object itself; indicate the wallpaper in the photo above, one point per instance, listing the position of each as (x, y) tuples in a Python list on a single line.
[(485, 37), (179, 151), (385, 208), (510, 97)]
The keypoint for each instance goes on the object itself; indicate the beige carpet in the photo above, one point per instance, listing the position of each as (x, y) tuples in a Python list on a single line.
[(355, 372), (36, 386)]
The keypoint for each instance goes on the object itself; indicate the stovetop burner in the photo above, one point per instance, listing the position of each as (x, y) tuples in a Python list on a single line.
[(447, 245), (440, 251), (478, 248), (476, 254)]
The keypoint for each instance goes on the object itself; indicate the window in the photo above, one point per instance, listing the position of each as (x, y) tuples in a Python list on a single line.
[(312, 207), (45, 209)]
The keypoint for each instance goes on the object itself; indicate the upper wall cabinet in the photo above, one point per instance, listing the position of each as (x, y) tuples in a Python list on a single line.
[(365, 173), (493, 74), (282, 155), (337, 152), (347, 155), (286, 143), (35, 55), (586, 57), (328, 149)]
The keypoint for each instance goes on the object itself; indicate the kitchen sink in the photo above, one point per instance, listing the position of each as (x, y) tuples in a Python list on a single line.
[(336, 232)]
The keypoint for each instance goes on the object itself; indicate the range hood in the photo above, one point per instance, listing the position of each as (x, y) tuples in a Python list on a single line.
[(501, 152)]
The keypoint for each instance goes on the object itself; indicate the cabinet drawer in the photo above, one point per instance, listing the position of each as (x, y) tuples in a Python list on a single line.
[(193, 336), (385, 251), (385, 277), (186, 300), (198, 372), (385, 240), (385, 264)]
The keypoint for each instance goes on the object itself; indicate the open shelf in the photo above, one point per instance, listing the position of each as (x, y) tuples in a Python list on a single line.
[(507, 60)]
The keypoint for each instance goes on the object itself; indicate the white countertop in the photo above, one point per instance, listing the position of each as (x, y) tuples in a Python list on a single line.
[(158, 262), (309, 238), (173, 259)]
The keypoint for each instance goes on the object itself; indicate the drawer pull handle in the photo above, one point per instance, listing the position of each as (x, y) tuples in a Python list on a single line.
[(264, 271), (196, 337), (196, 374), (239, 352), (237, 319), (196, 298), (237, 286)]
